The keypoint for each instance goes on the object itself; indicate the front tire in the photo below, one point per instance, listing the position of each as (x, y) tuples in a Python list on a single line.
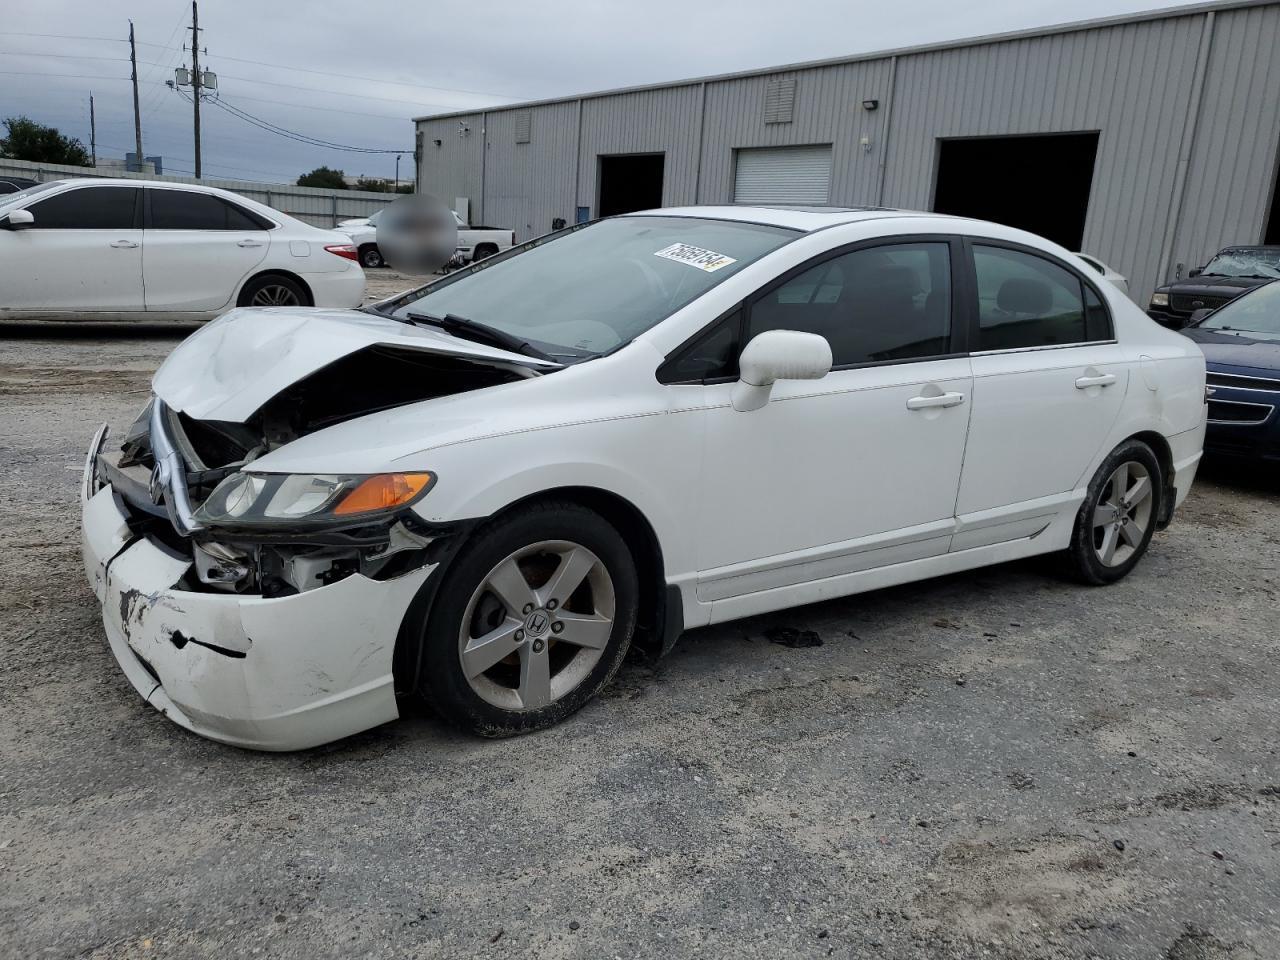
[(371, 257), (533, 618), (1118, 517)]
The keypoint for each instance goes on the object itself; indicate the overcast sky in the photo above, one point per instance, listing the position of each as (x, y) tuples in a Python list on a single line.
[(355, 73)]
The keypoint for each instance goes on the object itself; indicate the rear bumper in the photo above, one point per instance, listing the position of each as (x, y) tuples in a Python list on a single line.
[(1187, 449), (339, 288), (264, 673)]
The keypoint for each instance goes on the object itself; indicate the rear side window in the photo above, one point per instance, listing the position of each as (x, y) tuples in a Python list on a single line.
[(873, 305), (186, 210), (88, 208), (1029, 301)]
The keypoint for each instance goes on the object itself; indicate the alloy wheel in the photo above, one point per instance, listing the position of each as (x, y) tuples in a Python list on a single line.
[(1123, 513), (274, 295), (537, 625)]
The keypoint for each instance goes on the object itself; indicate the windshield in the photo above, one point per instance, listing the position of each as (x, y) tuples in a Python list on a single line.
[(1256, 313), (1245, 263), (587, 291), (9, 200)]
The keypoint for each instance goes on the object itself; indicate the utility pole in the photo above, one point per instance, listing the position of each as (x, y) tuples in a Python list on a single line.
[(93, 132), (195, 76), (137, 117)]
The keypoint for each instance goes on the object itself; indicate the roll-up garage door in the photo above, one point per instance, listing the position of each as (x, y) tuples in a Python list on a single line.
[(799, 175)]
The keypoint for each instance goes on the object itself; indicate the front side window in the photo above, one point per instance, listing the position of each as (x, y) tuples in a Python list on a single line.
[(587, 291), (187, 210), (1027, 301), (88, 208), (873, 305)]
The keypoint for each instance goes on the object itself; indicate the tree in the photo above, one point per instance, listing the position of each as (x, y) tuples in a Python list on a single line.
[(373, 186), (323, 177), (25, 139)]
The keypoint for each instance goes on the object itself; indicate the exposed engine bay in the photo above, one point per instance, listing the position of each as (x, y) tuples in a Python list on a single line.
[(169, 464)]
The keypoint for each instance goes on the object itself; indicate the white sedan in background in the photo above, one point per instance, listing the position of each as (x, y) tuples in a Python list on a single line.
[(483, 491), (1112, 276), (152, 250)]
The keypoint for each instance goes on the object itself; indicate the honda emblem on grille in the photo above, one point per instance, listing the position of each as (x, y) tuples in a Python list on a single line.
[(1197, 304)]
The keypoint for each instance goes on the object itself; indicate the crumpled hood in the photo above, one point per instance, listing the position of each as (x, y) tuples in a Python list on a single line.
[(229, 368)]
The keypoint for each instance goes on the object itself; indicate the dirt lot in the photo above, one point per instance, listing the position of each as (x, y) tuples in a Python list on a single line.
[(996, 764)]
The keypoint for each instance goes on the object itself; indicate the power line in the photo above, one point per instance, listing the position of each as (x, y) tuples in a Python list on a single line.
[(67, 36), (293, 134), (332, 93), (64, 56), (399, 118), (351, 76), (68, 76)]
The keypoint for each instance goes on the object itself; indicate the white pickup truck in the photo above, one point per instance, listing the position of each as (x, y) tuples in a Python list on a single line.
[(474, 243)]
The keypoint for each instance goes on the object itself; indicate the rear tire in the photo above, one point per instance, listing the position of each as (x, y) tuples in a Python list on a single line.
[(533, 617), (273, 290), (371, 257), (1118, 517), (484, 250)]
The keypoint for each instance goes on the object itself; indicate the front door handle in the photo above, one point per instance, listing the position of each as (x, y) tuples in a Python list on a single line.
[(249, 243), (1095, 380), (123, 244), (925, 402)]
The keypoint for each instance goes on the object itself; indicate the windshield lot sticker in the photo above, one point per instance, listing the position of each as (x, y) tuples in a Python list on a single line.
[(706, 260)]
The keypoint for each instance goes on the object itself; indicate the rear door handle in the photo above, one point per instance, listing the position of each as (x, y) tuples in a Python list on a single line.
[(1098, 380), (941, 400), (123, 244), (249, 243)]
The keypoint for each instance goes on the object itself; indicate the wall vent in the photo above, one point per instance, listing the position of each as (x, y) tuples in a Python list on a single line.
[(780, 100), (524, 122)]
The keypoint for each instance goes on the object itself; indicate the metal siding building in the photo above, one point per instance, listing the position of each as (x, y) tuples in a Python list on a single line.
[(1183, 105)]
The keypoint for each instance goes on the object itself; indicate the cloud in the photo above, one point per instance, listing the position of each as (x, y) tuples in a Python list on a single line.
[(360, 72)]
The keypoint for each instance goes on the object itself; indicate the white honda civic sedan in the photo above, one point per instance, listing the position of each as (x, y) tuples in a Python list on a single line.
[(484, 491), (154, 250)]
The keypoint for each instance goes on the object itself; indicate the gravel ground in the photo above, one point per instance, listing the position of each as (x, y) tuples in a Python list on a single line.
[(996, 764)]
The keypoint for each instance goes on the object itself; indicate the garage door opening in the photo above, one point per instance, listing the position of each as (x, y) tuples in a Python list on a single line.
[(1038, 183), (1272, 234), (631, 182), (783, 175)]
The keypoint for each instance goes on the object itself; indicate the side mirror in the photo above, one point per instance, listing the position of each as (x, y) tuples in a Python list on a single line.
[(1198, 315), (778, 355), (19, 219), (1194, 272)]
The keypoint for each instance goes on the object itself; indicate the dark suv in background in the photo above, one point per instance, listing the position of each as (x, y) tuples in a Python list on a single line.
[(1231, 272)]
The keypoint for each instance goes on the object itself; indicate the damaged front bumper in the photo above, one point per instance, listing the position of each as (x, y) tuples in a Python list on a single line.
[(268, 673)]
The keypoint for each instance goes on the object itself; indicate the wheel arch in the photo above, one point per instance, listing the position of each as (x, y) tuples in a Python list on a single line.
[(1164, 456), (661, 616), (277, 272)]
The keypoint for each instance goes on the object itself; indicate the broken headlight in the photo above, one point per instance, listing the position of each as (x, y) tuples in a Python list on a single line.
[(284, 499)]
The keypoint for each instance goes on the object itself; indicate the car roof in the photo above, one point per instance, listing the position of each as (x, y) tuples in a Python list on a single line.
[(1250, 247), (803, 218), (130, 182)]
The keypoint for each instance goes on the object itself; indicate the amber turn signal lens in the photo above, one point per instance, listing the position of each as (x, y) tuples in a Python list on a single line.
[(383, 492)]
